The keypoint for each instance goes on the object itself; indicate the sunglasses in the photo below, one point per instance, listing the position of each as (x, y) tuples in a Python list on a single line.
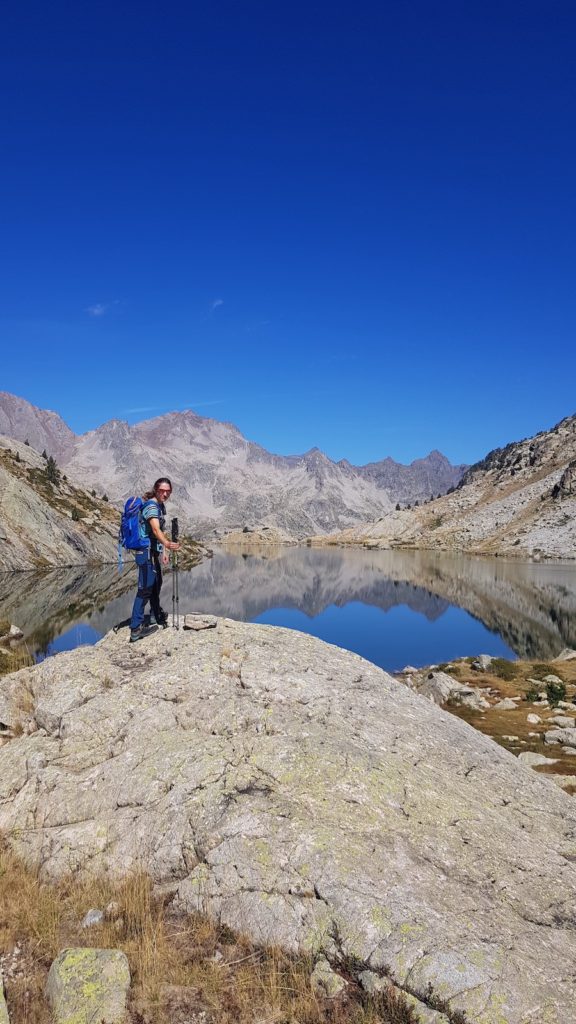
[(163, 490)]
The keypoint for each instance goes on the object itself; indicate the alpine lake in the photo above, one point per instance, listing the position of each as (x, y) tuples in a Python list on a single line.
[(392, 607)]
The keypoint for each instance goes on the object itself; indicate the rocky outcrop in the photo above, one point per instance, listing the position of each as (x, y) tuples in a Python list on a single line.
[(303, 796), (519, 501), (45, 522)]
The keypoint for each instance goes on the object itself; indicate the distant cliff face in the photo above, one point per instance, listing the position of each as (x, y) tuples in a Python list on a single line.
[(223, 481), (520, 500), (42, 428), (421, 480)]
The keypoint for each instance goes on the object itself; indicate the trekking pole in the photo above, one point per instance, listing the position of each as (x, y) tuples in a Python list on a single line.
[(175, 592)]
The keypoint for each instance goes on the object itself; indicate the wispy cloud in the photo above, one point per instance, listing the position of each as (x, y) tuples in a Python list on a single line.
[(203, 404), (214, 305), (141, 408), (100, 308), (257, 326)]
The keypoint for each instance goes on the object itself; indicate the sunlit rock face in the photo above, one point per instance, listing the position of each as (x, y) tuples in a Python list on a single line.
[(519, 501), (303, 796)]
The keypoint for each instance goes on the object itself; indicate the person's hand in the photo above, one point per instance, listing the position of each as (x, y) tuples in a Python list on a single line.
[(165, 558), (174, 546)]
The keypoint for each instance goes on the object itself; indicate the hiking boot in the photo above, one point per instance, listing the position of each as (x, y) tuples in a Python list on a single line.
[(141, 632), (161, 619)]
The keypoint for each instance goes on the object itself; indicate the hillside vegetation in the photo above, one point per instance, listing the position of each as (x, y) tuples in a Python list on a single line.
[(44, 519)]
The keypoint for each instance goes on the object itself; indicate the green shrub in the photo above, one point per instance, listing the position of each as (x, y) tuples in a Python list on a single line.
[(504, 669), (75, 515), (555, 693), (532, 693), (542, 670), (52, 471)]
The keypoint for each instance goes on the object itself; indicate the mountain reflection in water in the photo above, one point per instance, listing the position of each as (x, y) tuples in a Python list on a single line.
[(393, 607)]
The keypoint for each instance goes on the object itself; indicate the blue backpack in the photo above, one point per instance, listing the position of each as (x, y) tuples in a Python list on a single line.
[(133, 535)]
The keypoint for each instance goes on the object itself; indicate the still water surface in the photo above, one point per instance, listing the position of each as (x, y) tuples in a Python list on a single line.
[(394, 608)]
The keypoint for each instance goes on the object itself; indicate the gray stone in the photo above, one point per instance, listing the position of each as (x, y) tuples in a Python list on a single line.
[(507, 704), (14, 633), (566, 655), (372, 983), (198, 622), (565, 736), (533, 719), (440, 687), (482, 663), (3, 1008), (87, 985), (562, 721), (424, 1014), (532, 759), (297, 793), (552, 679), (92, 918), (325, 981)]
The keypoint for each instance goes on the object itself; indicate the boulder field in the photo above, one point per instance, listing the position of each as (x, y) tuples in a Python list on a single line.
[(303, 796)]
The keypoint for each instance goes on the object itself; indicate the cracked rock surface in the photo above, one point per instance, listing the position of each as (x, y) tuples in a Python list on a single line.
[(304, 797)]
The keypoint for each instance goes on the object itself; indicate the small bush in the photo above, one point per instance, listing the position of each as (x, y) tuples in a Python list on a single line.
[(75, 515), (542, 670), (555, 693), (504, 669), (532, 694), (105, 497), (52, 471)]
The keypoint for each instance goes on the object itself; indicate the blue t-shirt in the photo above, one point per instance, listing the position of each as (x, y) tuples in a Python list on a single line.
[(153, 509)]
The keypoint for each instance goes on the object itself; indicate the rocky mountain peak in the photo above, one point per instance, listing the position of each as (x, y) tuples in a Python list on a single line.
[(42, 428)]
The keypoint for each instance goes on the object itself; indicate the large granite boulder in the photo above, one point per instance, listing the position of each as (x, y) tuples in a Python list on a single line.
[(303, 796)]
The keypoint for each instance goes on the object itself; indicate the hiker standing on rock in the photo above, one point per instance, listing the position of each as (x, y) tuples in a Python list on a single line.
[(153, 517)]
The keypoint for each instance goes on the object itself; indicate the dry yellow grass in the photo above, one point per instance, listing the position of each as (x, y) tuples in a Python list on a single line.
[(184, 969), (14, 658)]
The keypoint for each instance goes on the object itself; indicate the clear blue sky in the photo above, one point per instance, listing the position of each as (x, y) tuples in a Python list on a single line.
[(350, 226)]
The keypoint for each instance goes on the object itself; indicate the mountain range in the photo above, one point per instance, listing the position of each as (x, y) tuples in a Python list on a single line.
[(221, 480)]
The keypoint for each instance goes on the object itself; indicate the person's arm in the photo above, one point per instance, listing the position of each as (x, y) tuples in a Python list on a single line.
[(170, 545)]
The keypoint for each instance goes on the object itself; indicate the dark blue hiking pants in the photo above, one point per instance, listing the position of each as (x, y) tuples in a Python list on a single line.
[(149, 585)]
